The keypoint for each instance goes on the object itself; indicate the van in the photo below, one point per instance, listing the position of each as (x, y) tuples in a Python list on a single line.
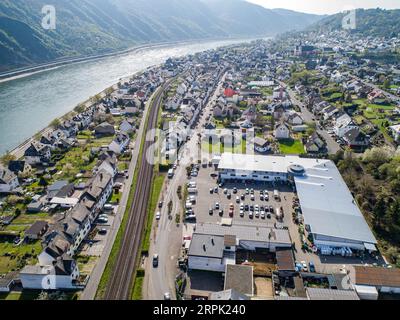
[(192, 190), (277, 195), (170, 173)]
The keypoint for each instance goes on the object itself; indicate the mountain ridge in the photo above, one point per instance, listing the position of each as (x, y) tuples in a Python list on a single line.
[(88, 27)]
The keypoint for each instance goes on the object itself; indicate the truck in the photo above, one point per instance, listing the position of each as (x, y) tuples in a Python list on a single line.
[(277, 196)]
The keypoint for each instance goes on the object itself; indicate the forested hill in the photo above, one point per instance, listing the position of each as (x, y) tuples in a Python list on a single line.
[(371, 22), (85, 27)]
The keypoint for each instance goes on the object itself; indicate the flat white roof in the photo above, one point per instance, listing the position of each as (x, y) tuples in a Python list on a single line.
[(326, 202)]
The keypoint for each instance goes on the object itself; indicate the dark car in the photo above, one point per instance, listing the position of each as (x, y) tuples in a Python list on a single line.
[(155, 261), (102, 231)]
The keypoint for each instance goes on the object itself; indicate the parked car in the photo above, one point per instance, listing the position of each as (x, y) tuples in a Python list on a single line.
[(304, 266), (216, 206), (211, 211), (311, 266), (160, 204), (158, 215), (102, 220), (235, 190), (167, 296), (155, 260), (211, 190), (102, 231)]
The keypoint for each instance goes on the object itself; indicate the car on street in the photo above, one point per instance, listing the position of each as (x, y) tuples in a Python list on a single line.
[(221, 212), (158, 215), (103, 231), (167, 296), (155, 260), (211, 211)]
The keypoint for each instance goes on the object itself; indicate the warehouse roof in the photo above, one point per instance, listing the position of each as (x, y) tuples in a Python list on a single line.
[(239, 278), (244, 232), (326, 202), (329, 294), (375, 276), (206, 245), (328, 206)]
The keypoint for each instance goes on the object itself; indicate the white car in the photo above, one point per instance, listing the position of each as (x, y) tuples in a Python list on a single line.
[(158, 215), (262, 214)]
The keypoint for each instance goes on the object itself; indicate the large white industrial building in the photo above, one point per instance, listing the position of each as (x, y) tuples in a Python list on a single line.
[(329, 210)]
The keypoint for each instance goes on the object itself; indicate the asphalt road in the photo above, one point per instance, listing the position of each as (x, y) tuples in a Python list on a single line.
[(166, 235), (332, 146)]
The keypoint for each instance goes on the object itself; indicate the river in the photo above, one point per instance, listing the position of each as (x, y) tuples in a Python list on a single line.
[(30, 103)]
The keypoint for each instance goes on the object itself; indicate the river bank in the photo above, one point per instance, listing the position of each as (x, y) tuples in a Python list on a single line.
[(30, 103)]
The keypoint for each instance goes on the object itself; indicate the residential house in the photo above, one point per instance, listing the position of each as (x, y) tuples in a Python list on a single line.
[(294, 119), (356, 139), (120, 143), (104, 129), (261, 145), (126, 127), (37, 230), (343, 124), (37, 153), (282, 131), (98, 190), (315, 144), (8, 181), (19, 167), (62, 274), (395, 130)]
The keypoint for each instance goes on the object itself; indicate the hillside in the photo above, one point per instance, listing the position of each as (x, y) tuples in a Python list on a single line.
[(371, 22), (86, 27)]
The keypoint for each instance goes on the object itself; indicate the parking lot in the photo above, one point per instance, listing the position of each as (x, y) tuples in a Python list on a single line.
[(256, 200), (95, 246)]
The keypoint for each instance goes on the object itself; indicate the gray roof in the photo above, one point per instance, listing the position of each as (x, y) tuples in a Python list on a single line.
[(328, 206), (228, 295), (246, 232), (330, 294), (326, 202), (239, 278), (206, 245)]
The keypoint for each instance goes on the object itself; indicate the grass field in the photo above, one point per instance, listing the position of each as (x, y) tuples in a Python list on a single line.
[(290, 146), (218, 148)]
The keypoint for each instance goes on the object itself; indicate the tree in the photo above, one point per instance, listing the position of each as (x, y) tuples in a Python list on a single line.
[(7, 158), (55, 123)]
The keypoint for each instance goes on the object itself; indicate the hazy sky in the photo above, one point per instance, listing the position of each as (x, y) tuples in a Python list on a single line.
[(327, 6)]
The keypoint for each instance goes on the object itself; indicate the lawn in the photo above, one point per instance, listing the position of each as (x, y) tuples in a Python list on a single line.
[(12, 256), (291, 146), (218, 148), (137, 288)]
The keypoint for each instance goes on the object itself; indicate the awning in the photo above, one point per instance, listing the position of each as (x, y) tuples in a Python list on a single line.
[(370, 247)]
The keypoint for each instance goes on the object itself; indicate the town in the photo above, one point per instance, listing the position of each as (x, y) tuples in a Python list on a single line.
[(254, 184)]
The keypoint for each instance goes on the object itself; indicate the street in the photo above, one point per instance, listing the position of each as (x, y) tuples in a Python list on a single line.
[(166, 238), (332, 146)]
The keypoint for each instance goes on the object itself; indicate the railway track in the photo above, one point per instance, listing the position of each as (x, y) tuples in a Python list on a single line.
[(120, 283)]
